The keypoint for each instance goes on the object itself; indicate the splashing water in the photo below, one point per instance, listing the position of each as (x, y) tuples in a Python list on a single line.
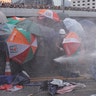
[(63, 59)]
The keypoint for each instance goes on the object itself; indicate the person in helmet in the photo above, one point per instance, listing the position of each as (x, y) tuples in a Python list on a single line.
[(62, 35)]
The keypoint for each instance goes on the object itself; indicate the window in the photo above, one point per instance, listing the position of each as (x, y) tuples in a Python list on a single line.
[(78, 4), (83, 4), (93, 3), (88, 0), (78, 1)]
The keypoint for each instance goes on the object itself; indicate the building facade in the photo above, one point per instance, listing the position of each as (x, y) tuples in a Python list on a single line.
[(40, 1), (84, 3), (33, 1)]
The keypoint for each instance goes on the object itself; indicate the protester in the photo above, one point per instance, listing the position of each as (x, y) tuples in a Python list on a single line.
[(59, 45), (60, 51)]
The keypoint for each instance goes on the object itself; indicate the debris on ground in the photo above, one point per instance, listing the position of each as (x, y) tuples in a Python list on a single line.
[(57, 86)]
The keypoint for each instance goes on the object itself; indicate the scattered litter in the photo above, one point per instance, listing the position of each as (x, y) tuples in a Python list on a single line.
[(21, 79), (57, 86), (66, 89), (5, 87), (10, 87), (15, 88), (5, 79), (52, 89), (57, 82)]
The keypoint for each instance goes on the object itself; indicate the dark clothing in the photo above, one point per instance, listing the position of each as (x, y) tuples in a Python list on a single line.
[(59, 45)]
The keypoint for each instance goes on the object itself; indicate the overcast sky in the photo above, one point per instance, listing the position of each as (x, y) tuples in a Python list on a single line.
[(59, 2)]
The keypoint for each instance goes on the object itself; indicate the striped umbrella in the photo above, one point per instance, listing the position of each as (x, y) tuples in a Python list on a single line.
[(71, 43), (22, 45), (49, 14)]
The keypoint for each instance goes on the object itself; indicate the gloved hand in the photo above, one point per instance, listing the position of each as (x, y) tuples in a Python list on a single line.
[(61, 49)]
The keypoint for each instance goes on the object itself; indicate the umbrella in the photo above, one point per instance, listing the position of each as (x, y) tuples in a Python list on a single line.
[(71, 43), (29, 26), (12, 21), (17, 18), (62, 15), (49, 14), (90, 29), (8, 28), (3, 18), (48, 23), (22, 45), (5, 30), (74, 26)]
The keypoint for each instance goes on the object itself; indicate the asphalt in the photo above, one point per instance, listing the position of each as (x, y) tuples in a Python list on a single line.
[(35, 90)]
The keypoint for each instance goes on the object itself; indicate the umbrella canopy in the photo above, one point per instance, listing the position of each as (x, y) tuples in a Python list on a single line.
[(3, 18), (5, 30), (3, 35), (48, 23), (29, 26), (12, 21), (18, 18), (90, 29), (62, 15), (74, 26), (71, 43), (21, 45), (49, 14), (8, 28)]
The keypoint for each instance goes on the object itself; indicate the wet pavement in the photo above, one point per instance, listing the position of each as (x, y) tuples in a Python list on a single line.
[(35, 90)]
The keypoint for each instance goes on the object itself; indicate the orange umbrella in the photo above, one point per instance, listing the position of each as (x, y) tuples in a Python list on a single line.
[(22, 45), (17, 18), (71, 43), (49, 13)]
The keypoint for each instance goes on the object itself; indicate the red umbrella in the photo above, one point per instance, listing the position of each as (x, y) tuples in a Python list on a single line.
[(71, 43)]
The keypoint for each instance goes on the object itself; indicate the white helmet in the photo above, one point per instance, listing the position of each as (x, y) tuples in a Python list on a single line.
[(62, 31)]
